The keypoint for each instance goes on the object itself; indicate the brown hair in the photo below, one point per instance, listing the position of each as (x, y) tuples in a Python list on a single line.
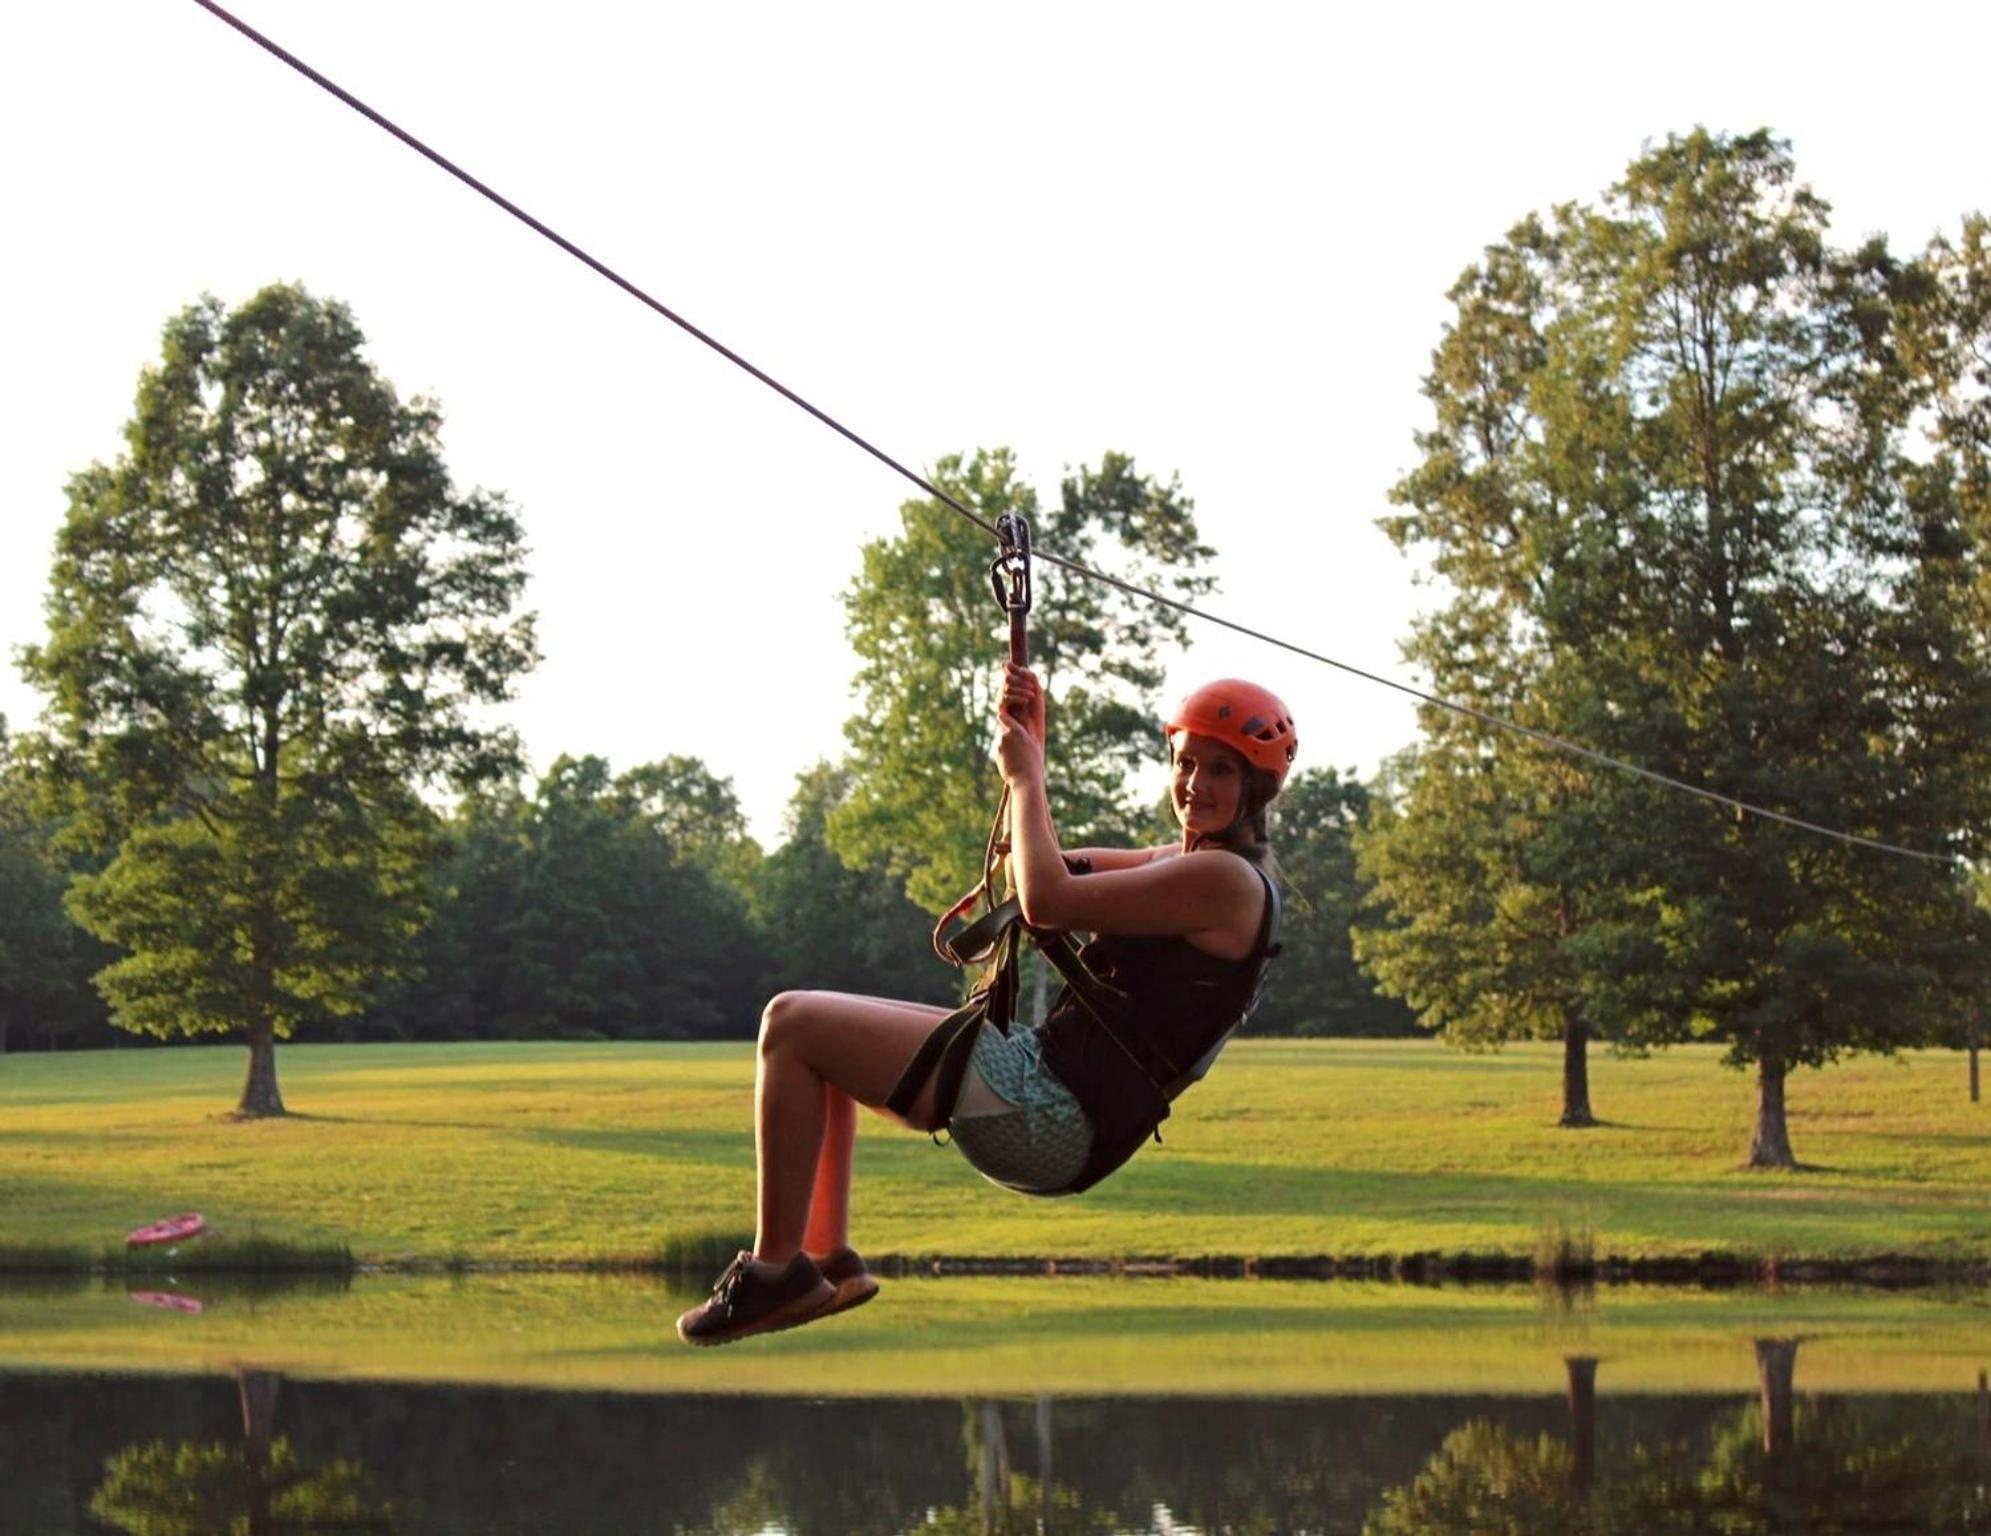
[(1246, 835)]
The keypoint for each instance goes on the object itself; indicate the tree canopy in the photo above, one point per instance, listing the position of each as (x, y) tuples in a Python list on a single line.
[(931, 643), (1707, 493), (272, 622)]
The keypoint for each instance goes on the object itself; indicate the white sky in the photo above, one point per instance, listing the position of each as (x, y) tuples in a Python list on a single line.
[(1217, 239)]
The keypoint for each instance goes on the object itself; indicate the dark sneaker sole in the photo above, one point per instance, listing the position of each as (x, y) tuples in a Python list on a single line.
[(805, 1309), (854, 1292)]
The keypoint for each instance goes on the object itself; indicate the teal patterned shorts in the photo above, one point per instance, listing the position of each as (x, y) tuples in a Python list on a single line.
[(1045, 1140)]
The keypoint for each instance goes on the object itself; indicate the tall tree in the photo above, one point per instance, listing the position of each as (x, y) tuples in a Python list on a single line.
[(1704, 510), (1482, 863), (930, 642), (271, 622)]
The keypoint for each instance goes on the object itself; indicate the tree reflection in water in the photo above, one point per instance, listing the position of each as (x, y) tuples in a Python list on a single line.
[(1779, 1464), (256, 1487), (1487, 1479), (77, 1452)]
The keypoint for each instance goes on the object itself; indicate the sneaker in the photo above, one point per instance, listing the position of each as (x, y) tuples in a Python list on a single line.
[(854, 1283), (745, 1302)]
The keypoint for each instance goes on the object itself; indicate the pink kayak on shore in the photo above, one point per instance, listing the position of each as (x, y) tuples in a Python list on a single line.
[(171, 1230)]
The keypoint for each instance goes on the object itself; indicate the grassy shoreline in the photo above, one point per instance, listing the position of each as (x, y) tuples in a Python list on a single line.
[(1710, 1271), (1303, 1158), (1074, 1335)]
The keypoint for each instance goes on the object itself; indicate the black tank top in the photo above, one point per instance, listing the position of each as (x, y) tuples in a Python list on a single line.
[(1184, 1000)]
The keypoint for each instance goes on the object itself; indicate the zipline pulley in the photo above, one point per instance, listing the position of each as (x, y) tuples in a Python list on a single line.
[(1009, 575), (1009, 579)]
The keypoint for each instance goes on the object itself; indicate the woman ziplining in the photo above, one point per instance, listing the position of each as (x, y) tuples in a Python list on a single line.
[(1181, 932), (790, 1025)]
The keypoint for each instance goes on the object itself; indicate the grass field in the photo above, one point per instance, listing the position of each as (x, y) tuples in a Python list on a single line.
[(550, 1152), (940, 1337)]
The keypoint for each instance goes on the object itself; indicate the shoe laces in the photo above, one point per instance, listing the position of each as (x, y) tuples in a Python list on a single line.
[(726, 1292)]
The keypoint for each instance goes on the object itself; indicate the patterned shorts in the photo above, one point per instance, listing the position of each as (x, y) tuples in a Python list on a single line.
[(1044, 1141)]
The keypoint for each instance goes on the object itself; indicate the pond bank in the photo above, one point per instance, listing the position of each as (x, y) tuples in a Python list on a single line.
[(925, 1336), (1712, 1270)]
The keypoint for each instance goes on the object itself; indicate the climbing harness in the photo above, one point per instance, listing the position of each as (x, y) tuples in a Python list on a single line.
[(994, 941), (996, 938)]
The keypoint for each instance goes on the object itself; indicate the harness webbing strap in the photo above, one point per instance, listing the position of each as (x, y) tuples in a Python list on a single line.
[(1104, 1001), (1108, 1006), (973, 944), (942, 1056)]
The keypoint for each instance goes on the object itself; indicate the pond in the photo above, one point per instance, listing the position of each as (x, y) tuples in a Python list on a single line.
[(560, 1403)]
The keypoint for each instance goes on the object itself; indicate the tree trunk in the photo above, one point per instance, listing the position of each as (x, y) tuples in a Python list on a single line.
[(1770, 1146), (1582, 1420), (1776, 1364), (3, 1052), (260, 1097), (993, 1478), (1575, 1072), (259, 1414), (1974, 1096), (1044, 1463), (1984, 1419)]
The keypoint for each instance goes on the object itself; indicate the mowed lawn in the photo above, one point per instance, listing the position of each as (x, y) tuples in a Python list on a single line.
[(602, 1151)]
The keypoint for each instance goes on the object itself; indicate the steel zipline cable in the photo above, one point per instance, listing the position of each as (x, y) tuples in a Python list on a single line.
[(1484, 717)]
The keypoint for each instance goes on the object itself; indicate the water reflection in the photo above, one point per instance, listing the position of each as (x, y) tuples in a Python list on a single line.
[(255, 1454), (255, 1484)]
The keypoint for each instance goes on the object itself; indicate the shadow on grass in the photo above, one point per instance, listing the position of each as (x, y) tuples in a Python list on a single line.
[(306, 1117), (1773, 1170), (1625, 1213), (729, 1149)]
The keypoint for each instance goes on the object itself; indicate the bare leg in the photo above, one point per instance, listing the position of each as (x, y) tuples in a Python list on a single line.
[(822, 1054), (829, 1202)]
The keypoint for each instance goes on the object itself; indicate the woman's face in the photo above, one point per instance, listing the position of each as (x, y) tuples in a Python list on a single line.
[(1207, 785)]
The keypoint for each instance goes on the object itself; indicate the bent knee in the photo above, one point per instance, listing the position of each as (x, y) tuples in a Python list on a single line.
[(785, 1018)]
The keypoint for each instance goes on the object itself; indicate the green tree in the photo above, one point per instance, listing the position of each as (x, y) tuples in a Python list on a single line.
[(1476, 917), (697, 813), (1476, 911), (45, 959), (828, 925), (571, 913), (1316, 987), (931, 642), (271, 622), (1684, 489)]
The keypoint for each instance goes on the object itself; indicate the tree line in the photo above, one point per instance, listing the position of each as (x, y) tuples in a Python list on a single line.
[(583, 904), (1701, 490)]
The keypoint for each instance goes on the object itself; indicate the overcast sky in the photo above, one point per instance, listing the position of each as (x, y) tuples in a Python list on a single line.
[(1216, 239)]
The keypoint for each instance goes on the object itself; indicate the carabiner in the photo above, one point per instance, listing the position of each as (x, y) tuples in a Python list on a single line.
[(1009, 575)]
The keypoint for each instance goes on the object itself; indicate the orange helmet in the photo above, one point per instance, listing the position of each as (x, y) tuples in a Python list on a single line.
[(1245, 717)]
